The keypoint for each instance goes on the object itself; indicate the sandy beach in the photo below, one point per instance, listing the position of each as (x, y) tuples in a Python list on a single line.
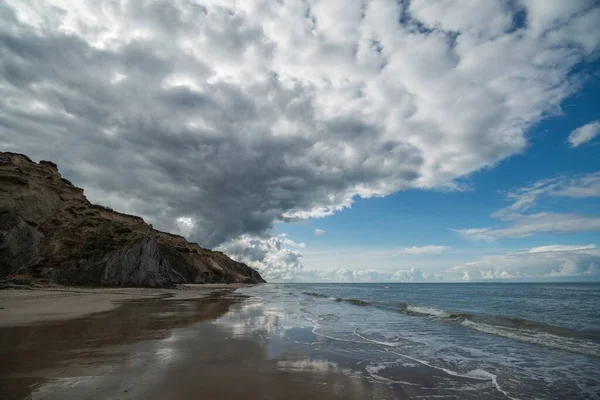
[(32, 306), (154, 344), (242, 342), (213, 342)]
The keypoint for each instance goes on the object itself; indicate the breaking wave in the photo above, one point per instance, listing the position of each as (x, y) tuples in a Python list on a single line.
[(521, 329), (356, 302), (314, 294)]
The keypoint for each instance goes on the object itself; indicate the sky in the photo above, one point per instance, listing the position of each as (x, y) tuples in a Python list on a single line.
[(350, 140)]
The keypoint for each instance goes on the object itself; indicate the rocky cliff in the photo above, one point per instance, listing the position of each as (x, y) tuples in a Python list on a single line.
[(50, 233)]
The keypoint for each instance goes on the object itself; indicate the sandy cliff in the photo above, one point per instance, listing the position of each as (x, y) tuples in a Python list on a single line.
[(50, 232)]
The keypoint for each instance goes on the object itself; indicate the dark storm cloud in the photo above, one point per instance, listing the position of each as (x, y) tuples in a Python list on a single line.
[(218, 120)]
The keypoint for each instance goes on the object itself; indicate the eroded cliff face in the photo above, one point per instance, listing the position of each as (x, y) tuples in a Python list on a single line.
[(50, 232)]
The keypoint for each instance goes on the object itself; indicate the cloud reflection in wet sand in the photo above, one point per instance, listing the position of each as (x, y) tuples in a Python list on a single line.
[(157, 349)]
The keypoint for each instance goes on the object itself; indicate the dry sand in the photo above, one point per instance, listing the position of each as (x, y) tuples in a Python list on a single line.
[(24, 306)]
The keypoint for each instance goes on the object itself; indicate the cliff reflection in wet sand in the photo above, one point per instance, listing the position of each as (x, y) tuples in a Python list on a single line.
[(159, 349), (33, 354)]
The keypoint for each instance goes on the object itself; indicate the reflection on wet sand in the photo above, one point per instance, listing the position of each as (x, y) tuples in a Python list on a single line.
[(35, 353), (301, 346), (158, 349)]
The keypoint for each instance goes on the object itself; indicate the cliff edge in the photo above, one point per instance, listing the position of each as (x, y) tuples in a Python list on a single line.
[(51, 233)]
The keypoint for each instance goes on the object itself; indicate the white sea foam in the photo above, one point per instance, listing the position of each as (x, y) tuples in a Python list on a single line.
[(374, 369), (476, 341), (434, 312), (388, 344), (479, 374), (488, 375), (530, 335), (536, 337), (316, 327)]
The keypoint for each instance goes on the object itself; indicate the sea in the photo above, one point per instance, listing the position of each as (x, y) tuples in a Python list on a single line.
[(460, 340)]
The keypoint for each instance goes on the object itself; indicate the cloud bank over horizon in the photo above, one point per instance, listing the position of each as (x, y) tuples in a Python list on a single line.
[(218, 119), (553, 261), (550, 262)]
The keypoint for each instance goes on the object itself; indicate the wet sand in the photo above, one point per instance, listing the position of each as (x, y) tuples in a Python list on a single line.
[(158, 348), (193, 344)]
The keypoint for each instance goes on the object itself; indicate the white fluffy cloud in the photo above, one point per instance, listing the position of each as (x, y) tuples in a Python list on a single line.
[(539, 262), (520, 224), (272, 256), (219, 119), (584, 134), (319, 232)]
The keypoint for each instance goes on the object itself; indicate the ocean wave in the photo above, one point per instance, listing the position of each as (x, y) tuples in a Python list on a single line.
[(315, 294), (515, 328), (356, 302), (434, 312), (384, 343), (543, 338)]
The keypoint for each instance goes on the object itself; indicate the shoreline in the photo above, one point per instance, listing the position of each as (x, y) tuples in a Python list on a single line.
[(208, 341), (181, 347), (37, 305)]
